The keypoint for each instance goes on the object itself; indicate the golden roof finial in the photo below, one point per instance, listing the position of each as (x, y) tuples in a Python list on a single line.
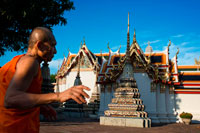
[(197, 62), (108, 46), (83, 40), (134, 37), (177, 52), (169, 44), (119, 48)]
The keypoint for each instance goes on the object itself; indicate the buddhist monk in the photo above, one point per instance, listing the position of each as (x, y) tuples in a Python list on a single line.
[(20, 87)]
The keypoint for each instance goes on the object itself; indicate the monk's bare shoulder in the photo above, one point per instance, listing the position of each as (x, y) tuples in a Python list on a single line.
[(27, 66)]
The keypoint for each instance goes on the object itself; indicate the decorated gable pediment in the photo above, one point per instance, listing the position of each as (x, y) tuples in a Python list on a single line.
[(84, 63), (155, 65), (86, 58)]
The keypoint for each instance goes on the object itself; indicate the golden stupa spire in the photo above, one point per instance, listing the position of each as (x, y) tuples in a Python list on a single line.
[(128, 38)]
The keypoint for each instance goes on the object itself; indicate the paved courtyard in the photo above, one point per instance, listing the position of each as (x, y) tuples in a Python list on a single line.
[(92, 126)]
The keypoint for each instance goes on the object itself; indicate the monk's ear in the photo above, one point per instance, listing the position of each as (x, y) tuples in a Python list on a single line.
[(41, 46)]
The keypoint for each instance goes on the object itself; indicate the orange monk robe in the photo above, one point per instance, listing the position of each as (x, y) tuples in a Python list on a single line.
[(17, 120)]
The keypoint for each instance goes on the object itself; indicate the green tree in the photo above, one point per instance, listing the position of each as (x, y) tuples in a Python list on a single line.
[(19, 17), (52, 78)]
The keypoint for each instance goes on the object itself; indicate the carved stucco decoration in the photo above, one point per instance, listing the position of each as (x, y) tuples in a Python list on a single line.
[(171, 89)]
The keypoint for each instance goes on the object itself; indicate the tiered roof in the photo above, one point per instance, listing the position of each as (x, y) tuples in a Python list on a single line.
[(158, 66), (72, 60)]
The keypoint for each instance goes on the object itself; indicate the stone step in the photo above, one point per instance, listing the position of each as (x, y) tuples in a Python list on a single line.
[(127, 100), (132, 107), (120, 113)]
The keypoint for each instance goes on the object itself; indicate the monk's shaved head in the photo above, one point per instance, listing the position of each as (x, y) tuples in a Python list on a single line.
[(40, 34)]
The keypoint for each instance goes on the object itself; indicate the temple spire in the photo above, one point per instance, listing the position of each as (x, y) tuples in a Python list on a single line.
[(128, 44), (128, 23), (78, 80), (128, 37), (79, 62)]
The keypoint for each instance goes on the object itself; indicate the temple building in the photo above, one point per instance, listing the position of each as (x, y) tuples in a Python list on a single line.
[(165, 88)]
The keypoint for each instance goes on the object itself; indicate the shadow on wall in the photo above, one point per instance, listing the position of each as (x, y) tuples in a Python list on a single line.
[(177, 102)]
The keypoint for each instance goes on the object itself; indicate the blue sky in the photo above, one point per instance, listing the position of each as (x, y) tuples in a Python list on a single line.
[(103, 21)]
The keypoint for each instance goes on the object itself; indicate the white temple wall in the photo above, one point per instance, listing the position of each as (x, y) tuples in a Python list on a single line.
[(144, 86), (170, 106), (162, 111), (62, 85), (61, 88), (88, 79), (188, 103), (160, 105), (148, 97)]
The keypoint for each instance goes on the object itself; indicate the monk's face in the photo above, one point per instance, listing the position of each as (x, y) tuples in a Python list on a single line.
[(45, 45), (49, 50)]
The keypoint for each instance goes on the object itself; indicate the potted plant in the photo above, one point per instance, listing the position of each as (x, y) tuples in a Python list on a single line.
[(186, 117)]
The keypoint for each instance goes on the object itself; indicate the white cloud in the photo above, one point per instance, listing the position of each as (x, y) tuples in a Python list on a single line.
[(53, 65), (188, 58), (178, 36), (156, 41), (117, 47), (151, 42), (186, 55), (184, 43)]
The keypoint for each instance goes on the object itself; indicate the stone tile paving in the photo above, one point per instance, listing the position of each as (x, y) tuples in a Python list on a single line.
[(90, 126)]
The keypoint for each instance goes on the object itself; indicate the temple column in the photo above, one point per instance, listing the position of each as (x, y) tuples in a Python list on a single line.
[(170, 106), (152, 110), (108, 89), (162, 111), (102, 101)]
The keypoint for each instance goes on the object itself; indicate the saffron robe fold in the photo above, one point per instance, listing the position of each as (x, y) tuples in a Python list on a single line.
[(18, 120)]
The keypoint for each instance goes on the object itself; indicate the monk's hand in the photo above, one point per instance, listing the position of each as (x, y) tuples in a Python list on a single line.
[(76, 93), (48, 112)]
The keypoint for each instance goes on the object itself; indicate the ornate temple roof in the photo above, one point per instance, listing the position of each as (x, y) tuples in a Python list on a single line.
[(157, 65), (72, 60)]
